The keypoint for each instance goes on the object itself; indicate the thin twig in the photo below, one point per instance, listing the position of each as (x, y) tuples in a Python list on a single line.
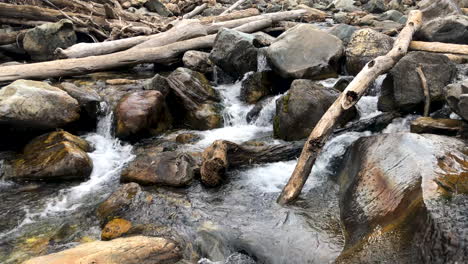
[(427, 95)]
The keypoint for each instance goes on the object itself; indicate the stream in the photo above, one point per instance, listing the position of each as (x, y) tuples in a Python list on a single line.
[(240, 216)]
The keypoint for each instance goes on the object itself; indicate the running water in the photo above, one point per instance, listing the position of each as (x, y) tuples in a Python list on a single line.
[(109, 158)]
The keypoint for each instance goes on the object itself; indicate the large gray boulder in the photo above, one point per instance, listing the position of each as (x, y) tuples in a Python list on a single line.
[(449, 29), (403, 199), (457, 98), (402, 88), (36, 105), (364, 46), (433, 9), (198, 61), (234, 52), (298, 111), (305, 52), (42, 41)]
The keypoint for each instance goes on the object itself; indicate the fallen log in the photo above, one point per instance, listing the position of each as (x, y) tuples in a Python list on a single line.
[(234, 15), (12, 37), (223, 155), (347, 99), (178, 33), (195, 11), (161, 55), (182, 30), (234, 6), (439, 47)]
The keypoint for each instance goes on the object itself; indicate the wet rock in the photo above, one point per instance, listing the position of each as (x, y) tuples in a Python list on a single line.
[(301, 108), (118, 202), (392, 203), (36, 105), (88, 99), (393, 15), (157, 7), (402, 88), (158, 83), (256, 86), (142, 113), (193, 101), (198, 61), (262, 39), (449, 29), (305, 52), (115, 228), (457, 98), (187, 138), (234, 52), (342, 83), (253, 114), (366, 45), (42, 41), (144, 250), (52, 157), (448, 127), (343, 32), (167, 168), (46, 140)]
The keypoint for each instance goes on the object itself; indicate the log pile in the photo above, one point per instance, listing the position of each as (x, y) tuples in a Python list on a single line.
[(120, 37)]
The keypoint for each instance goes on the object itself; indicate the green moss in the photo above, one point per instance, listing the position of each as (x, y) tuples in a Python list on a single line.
[(276, 126), (286, 102)]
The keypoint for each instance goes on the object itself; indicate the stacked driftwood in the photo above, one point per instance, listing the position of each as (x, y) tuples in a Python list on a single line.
[(122, 38)]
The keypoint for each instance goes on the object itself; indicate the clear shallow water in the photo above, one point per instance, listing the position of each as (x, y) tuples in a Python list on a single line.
[(241, 215)]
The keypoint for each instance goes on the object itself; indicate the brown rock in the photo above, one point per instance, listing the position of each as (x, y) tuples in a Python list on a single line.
[(119, 201), (115, 228)]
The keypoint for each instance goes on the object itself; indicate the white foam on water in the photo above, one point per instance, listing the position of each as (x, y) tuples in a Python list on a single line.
[(236, 128), (109, 158), (400, 125)]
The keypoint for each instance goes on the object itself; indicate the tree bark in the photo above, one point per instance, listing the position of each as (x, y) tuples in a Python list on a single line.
[(347, 99), (223, 155), (439, 47), (69, 67)]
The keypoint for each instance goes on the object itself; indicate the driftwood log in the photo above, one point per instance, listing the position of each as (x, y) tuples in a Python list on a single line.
[(439, 47), (161, 55), (223, 155), (183, 30), (195, 11), (347, 99), (234, 6), (180, 32)]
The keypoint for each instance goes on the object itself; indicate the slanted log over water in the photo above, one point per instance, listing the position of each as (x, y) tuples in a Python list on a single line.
[(222, 155), (347, 99)]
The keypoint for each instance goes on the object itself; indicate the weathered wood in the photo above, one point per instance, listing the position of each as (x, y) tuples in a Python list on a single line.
[(178, 33), (439, 47), (195, 11), (346, 100), (234, 6), (427, 96), (461, 59), (185, 29), (12, 37), (234, 15), (223, 155), (69, 67)]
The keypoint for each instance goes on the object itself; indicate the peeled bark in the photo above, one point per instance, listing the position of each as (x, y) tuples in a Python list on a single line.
[(223, 155), (69, 67), (346, 100)]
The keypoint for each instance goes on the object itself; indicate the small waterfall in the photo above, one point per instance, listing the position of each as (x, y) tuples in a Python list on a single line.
[(262, 61), (109, 158)]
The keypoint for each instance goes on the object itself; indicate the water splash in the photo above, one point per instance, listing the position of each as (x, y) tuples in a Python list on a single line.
[(109, 158)]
